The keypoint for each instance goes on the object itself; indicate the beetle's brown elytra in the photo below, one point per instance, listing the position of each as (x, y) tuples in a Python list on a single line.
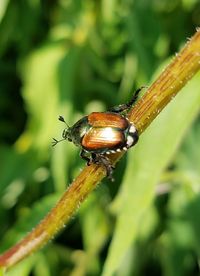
[(107, 119), (102, 138)]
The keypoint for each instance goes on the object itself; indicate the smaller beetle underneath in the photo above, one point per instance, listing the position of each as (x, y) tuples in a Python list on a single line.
[(102, 133)]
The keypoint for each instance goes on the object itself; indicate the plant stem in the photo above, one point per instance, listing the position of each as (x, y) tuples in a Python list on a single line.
[(169, 83)]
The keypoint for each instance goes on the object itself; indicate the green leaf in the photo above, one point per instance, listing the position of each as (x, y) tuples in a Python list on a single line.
[(3, 6), (28, 220), (23, 268), (94, 220), (2, 271), (146, 163), (41, 93), (49, 80), (14, 167)]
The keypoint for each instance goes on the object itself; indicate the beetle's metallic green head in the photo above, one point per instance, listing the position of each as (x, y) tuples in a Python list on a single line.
[(75, 133), (66, 135)]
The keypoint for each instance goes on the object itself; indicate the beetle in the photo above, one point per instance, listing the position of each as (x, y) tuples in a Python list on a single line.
[(102, 133)]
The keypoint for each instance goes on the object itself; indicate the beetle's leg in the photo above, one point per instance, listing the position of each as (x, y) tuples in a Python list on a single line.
[(103, 160), (123, 107), (84, 155)]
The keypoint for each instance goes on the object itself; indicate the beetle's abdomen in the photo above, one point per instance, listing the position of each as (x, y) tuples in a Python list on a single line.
[(107, 119), (99, 138)]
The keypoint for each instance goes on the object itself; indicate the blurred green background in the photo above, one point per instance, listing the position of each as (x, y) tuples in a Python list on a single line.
[(71, 57)]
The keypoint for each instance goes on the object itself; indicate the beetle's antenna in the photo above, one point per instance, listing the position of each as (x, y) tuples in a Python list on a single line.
[(55, 141), (61, 118)]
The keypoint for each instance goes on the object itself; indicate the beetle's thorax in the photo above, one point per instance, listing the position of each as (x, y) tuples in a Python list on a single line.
[(78, 130)]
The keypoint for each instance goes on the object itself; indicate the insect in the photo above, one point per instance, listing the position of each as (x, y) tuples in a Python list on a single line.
[(102, 133)]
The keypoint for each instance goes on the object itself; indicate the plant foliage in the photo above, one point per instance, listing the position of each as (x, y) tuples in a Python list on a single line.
[(73, 57)]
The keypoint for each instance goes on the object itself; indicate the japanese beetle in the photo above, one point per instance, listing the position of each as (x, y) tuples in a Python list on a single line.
[(102, 133)]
